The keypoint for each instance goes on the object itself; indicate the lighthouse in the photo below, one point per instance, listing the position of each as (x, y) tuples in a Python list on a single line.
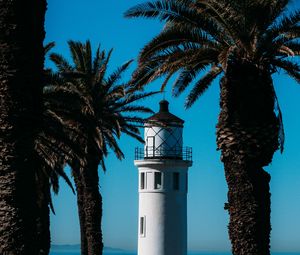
[(163, 185)]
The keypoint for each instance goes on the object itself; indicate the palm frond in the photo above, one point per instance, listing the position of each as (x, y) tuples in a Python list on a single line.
[(134, 135), (172, 37), (201, 86), (281, 135), (158, 9), (137, 96), (102, 70), (285, 23), (134, 119), (77, 53), (291, 68), (61, 63), (88, 63), (61, 173), (134, 108), (294, 47), (116, 75), (49, 46), (99, 56), (186, 76), (292, 33), (171, 61), (131, 127), (177, 12), (103, 166), (166, 80), (112, 143)]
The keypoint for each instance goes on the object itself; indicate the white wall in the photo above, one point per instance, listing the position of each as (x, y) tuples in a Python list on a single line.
[(164, 209)]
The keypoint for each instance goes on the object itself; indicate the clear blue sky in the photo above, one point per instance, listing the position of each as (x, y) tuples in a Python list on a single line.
[(103, 22)]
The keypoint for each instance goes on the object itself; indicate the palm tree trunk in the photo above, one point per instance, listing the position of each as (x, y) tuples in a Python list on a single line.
[(89, 202), (92, 205), (249, 208), (80, 205), (43, 217), (247, 135), (21, 67)]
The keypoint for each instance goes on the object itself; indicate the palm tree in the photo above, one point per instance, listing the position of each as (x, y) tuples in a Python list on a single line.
[(109, 115), (21, 68), (57, 143), (244, 42)]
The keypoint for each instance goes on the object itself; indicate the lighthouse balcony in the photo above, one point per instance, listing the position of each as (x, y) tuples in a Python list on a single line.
[(180, 153)]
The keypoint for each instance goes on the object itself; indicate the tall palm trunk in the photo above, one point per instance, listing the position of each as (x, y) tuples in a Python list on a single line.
[(90, 205), (247, 134), (21, 67), (43, 215), (80, 206)]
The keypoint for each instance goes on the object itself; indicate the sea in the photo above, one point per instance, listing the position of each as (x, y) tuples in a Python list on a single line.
[(134, 253)]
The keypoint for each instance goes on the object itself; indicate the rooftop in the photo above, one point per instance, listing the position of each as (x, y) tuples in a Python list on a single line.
[(164, 116)]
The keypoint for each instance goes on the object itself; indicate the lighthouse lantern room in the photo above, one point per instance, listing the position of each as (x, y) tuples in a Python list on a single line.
[(163, 183)]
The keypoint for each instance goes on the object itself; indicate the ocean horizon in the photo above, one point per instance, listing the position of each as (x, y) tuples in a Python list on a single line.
[(75, 250), (65, 252), (189, 253), (134, 253)]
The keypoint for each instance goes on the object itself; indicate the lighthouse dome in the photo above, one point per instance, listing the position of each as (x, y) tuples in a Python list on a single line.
[(163, 134), (164, 116)]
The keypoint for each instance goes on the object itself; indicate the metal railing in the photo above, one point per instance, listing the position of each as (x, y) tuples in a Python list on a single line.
[(184, 153)]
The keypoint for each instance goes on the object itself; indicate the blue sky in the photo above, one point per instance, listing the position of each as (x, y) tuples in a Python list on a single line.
[(102, 22)]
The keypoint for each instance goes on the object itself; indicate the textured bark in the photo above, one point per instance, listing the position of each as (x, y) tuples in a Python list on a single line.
[(247, 135), (249, 208), (81, 214), (92, 207), (21, 67), (89, 205), (43, 215)]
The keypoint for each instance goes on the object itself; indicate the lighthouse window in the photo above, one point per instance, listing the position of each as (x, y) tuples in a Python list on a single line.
[(142, 226), (142, 180), (176, 181), (157, 180)]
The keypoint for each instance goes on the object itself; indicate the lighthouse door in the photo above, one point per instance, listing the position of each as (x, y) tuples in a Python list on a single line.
[(150, 146)]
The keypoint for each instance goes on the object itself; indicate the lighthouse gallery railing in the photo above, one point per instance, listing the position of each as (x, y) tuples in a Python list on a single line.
[(184, 153)]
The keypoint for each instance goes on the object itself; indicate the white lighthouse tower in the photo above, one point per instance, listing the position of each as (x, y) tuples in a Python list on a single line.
[(163, 183)]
